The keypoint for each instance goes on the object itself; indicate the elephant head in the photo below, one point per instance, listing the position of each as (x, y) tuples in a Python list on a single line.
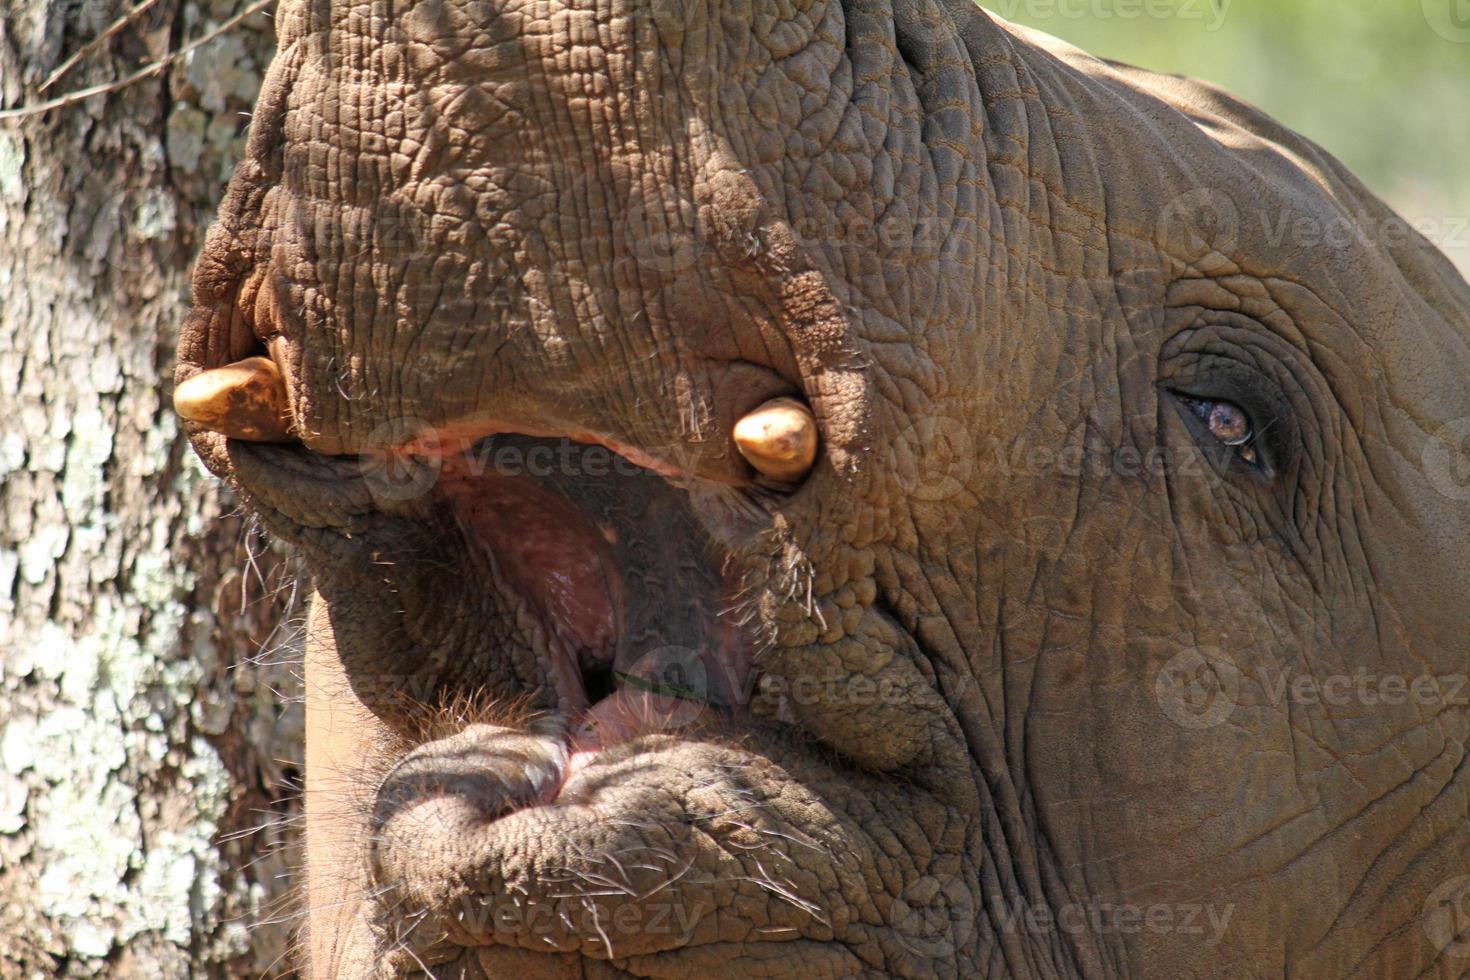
[(833, 488)]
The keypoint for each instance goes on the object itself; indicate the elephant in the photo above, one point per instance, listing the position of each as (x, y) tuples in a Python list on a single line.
[(826, 488)]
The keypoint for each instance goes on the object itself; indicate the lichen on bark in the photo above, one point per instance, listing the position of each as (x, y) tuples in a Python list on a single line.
[(142, 731)]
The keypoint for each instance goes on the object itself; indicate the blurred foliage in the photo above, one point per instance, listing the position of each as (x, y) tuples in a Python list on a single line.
[(1383, 84)]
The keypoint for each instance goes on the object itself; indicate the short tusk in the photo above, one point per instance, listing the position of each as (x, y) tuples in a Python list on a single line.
[(779, 439), (245, 400)]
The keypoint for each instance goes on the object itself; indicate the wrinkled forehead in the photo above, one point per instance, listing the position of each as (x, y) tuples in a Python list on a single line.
[(517, 99), (591, 48), (1249, 217), (1321, 261)]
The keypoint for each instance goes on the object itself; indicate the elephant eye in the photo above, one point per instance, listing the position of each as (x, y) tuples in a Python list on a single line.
[(1227, 422)]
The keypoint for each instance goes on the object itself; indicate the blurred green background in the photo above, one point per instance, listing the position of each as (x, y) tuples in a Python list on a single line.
[(1383, 84)]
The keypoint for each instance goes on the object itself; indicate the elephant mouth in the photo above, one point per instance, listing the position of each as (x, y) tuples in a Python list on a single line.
[(619, 574), (620, 571), (472, 573), (624, 580)]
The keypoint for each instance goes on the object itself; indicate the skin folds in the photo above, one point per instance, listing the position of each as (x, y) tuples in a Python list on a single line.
[(1108, 468)]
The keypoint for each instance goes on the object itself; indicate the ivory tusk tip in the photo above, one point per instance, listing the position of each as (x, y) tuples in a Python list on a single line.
[(779, 439), (244, 400)]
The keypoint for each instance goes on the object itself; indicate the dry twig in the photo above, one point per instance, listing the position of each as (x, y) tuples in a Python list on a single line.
[(146, 71), (95, 43)]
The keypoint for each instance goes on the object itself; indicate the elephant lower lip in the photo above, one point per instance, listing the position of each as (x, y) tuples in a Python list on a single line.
[(490, 798)]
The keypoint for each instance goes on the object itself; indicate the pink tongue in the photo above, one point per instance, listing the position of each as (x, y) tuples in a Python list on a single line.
[(555, 558), (548, 546), (626, 713)]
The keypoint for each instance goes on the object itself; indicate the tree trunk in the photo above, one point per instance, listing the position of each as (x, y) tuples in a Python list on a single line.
[(147, 719)]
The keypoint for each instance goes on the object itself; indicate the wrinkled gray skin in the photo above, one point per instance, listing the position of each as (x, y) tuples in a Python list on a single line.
[(991, 264)]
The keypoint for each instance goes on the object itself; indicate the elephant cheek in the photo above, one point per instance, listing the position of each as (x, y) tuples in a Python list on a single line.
[(864, 695)]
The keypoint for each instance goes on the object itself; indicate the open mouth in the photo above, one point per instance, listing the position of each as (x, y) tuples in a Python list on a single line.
[(629, 588), (613, 562), (618, 576), (590, 554), (557, 632)]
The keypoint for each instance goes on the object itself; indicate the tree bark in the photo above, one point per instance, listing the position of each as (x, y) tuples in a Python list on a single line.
[(148, 717)]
